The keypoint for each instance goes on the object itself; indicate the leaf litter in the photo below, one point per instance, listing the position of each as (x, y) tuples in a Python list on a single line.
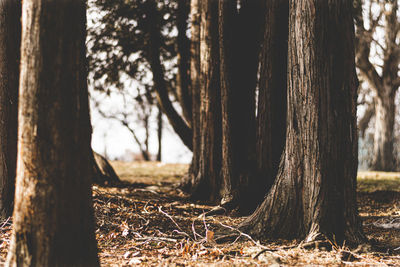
[(149, 222)]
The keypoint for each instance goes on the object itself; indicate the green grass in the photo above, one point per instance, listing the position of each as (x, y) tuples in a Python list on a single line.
[(378, 181)]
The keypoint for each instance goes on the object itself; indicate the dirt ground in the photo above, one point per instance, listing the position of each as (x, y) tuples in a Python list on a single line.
[(149, 222)]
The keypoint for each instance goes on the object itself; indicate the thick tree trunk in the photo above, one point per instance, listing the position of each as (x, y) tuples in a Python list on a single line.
[(239, 41), (179, 125), (205, 183), (314, 195), (10, 31), (53, 223), (183, 43), (383, 156), (271, 115)]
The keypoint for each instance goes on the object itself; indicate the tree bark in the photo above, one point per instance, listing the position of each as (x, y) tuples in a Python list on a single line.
[(177, 122), (239, 42), (205, 179), (195, 16), (10, 31), (271, 115), (314, 195), (53, 223), (383, 155)]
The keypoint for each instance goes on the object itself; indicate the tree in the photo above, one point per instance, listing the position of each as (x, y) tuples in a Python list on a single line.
[(204, 177), (239, 42), (271, 118), (9, 73), (136, 41), (314, 194), (53, 223), (384, 79)]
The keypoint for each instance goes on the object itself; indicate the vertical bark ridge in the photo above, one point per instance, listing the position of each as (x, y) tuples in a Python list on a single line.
[(313, 196)]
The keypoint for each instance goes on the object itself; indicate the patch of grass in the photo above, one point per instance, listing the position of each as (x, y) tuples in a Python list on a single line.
[(378, 181), (151, 171)]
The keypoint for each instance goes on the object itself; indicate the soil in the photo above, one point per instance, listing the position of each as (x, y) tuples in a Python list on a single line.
[(148, 221)]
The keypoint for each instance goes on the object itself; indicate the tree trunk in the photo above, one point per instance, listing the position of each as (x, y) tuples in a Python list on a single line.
[(205, 179), (239, 41), (271, 115), (183, 44), (177, 122), (195, 16), (314, 195), (103, 172), (53, 223), (383, 156), (10, 31), (159, 133)]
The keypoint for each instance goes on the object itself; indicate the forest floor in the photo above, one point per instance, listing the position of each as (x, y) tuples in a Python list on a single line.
[(149, 222)]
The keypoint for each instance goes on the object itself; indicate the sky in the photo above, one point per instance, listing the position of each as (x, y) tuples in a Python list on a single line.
[(114, 140)]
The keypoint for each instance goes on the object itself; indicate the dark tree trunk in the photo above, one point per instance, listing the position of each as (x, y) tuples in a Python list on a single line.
[(177, 122), (183, 43), (10, 31), (205, 174), (383, 155), (159, 133), (271, 115), (195, 17), (53, 222), (239, 39), (103, 172), (314, 195)]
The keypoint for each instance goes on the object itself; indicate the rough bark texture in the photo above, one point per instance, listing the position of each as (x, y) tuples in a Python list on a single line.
[(271, 115), (314, 195), (205, 184), (239, 42), (10, 31), (103, 172), (53, 223), (187, 181), (177, 122)]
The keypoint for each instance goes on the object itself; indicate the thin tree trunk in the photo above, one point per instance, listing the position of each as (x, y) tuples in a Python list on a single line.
[(159, 133), (177, 122), (10, 31), (53, 222), (183, 43), (314, 195), (383, 155)]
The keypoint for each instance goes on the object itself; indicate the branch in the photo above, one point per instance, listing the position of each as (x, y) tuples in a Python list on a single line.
[(364, 121), (177, 122), (125, 123)]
